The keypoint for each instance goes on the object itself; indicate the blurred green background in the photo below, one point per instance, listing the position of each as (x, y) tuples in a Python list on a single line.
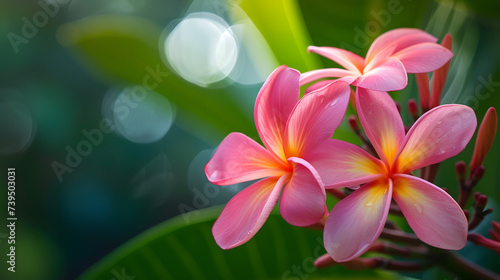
[(110, 109)]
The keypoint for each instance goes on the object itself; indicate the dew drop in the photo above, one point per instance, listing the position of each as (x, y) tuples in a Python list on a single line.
[(442, 150), (331, 104), (369, 204), (439, 122), (419, 208)]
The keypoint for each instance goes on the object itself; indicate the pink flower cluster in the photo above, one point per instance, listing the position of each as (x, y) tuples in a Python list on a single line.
[(300, 160)]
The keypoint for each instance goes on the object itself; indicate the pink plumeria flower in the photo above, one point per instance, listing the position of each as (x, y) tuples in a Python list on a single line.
[(290, 129), (389, 58), (357, 221)]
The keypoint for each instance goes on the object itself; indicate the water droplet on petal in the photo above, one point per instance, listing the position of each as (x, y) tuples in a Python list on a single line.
[(439, 122), (215, 175), (419, 208), (442, 150), (369, 204)]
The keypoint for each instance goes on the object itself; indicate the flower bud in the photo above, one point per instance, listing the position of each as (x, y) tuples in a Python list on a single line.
[(480, 201), (423, 90), (439, 76), (496, 226), (413, 109), (485, 137), (352, 99), (363, 263), (477, 174), (495, 235), (461, 170), (495, 231), (484, 242), (353, 123)]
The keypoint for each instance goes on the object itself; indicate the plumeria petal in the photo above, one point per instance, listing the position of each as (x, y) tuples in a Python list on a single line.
[(302, 202), (402, 38), (246, 212), (432, 213), (318, 85), (357, 221), (381, 121), (273, 106), (342, 164), (239, 159), (346, 59), (423, 58), (389, 75), (439, 134), (380, 58), (315, 118), (314, 75)]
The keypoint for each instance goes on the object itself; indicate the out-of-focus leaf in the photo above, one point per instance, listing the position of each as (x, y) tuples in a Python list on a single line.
[(282, 25), (353, 25), (484, 8), (183, 248), (123, 48)]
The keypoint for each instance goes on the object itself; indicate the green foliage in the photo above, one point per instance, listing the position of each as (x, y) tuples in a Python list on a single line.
[(283, 27), (183, 248)]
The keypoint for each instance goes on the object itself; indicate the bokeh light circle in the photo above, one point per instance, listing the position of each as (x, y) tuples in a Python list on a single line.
[(202, 49), (141, 115)]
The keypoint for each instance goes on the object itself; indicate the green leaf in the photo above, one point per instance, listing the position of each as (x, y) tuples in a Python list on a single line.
[(283, 27), (124, 50), (183, 248)]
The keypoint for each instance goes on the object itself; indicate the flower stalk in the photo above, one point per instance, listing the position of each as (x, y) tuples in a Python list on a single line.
[(480, 201), (464, 268)]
